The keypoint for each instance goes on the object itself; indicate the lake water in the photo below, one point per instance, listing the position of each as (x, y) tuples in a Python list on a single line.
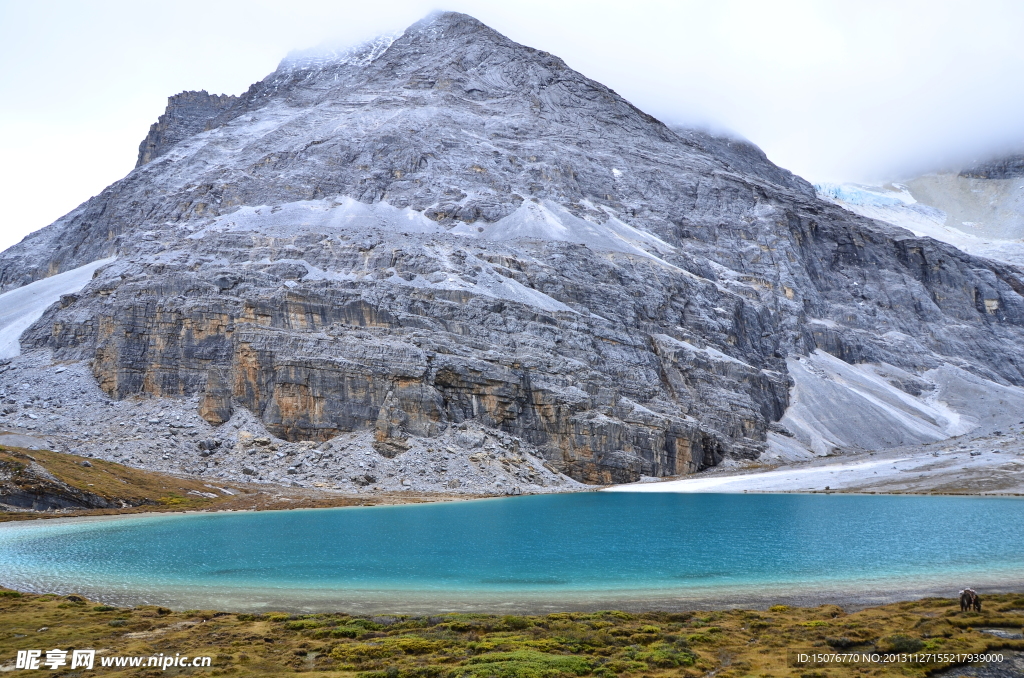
[(537, 553)]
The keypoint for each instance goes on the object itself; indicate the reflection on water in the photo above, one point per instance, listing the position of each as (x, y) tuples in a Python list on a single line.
[(551, 550)]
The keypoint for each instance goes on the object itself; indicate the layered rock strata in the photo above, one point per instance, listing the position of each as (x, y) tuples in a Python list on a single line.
[(168, 435)]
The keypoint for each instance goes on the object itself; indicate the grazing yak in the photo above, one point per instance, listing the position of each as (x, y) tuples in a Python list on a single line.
[(970, 599)]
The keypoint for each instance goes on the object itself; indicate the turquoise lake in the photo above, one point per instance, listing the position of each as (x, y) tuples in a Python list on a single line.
[(587, 550)]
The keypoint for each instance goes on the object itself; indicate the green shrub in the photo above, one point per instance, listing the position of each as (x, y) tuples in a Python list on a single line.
[(415, 645), (643, 638), (515, 623), (362, 652), (351, 628), (103, 608), (901, 643), (664, 656), (524, 664), (396, 672)]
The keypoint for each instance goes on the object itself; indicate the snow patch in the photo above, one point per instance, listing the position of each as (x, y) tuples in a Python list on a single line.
[(547, 220), (489, 284), (837, 405), (343, 214), (361, 55), (781, 480), (21, 307)]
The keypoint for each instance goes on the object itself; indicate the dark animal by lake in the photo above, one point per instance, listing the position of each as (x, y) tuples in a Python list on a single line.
[(969, 599)]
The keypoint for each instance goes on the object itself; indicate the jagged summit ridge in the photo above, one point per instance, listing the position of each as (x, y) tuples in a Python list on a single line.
[(453, 120), (319, 58), (459, 227), (187, 114)]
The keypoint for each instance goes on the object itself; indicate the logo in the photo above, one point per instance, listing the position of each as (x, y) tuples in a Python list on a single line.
[(54, 659)]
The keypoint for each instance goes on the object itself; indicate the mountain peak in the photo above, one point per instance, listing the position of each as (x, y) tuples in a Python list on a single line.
[(446, 22), (437, 27), (450, 119)]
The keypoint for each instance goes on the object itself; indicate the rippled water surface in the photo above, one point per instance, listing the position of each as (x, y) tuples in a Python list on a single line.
[(589, 549)]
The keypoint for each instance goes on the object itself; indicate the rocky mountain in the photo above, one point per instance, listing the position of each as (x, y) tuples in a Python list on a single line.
[(447, 227), (1007, 167), (187, 114)]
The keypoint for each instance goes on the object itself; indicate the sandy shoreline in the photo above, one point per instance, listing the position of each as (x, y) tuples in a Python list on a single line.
[(849, 596)]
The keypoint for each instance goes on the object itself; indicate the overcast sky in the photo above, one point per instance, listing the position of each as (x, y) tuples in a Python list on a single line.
[(835, 91)]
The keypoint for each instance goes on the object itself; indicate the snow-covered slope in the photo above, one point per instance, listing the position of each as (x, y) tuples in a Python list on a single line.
[(838, 406), (989, 465), (21, 307), (304, 216), (897, 204), (984, 207), (546, 220)]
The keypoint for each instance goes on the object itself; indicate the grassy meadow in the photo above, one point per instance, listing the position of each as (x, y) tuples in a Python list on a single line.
[(725, 644)]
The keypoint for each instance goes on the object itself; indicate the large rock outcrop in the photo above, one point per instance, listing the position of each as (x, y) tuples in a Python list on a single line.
[(452, 226), (187, 114), (1008, 167)]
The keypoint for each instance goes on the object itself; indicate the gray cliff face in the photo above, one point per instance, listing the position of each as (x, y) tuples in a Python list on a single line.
[(453, 227), (1010, 167), (187, 114)]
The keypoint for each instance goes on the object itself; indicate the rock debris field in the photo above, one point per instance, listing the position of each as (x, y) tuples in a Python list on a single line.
[(61, 404)]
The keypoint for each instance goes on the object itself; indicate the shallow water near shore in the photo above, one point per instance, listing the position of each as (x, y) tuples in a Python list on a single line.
[(536, 553)]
